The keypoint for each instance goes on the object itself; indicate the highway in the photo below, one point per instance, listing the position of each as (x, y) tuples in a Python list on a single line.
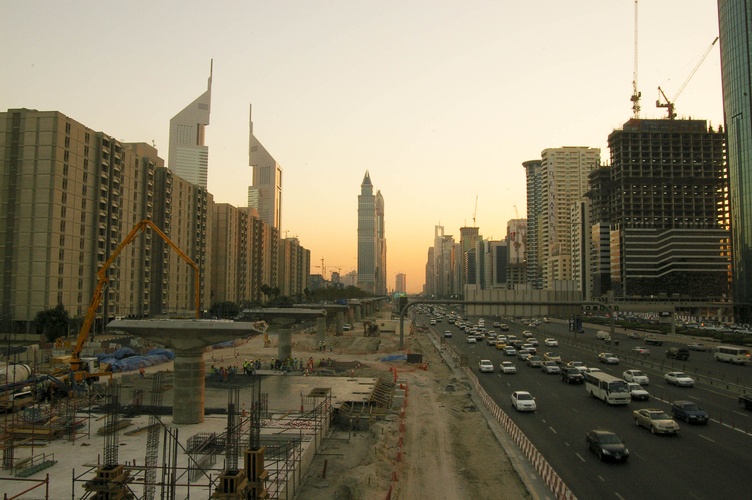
[(702, 462)]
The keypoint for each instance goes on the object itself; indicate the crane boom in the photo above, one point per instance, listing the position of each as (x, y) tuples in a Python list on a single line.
[(671, 104), (102, 280)]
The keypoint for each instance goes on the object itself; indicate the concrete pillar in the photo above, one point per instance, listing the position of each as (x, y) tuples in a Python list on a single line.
[(356, 313), (188, 402), (340, 318), (284, 344), (320, 330)]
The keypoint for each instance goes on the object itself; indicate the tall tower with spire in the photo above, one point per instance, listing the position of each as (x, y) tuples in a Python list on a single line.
[(265, 195), (371, 239), (188, 155)]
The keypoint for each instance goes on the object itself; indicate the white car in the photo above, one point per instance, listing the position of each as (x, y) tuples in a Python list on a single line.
[(636, 376), (550, 367), (447, 333), (507, 367), (637, 392), (510, 351), (609, 358), (523, 401), (592, 369), (533, 342), (579, 365), (527, 333), (551, 343), (485, 366), (680, 379)]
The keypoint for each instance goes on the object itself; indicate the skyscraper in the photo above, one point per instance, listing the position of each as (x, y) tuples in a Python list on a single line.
[(189, 156), (371, 239), (664, 198), (564, 174), (265, 195), (735, 32)]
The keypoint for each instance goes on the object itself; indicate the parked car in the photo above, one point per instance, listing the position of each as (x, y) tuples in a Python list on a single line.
[(523, 401), (636, 392), (656, 420), (689, 412), (679, 378), (572, 375), (609, 358), (606, 445), (507, 367), (636, 376), (346, 327), (550, 367), (697, 347), (550, 342), (679, 353)]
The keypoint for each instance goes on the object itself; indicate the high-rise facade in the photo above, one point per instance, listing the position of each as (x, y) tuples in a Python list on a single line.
[(189, 155), (517, 253), (664, 197), (69, 196), (265, 195), (564, 174), (400, 283), (534, 192), (735, 33), (371, 239)]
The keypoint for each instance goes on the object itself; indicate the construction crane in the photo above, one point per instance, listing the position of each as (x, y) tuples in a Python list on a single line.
[(77, 368), (516, 213), (475, 212), (635, 93), (323, 268), (670, 105)]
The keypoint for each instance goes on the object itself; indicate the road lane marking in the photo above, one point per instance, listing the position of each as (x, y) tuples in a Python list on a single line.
[(740, 413), (705, 437), (580, 457), (601, 478), (552, 429), (616, 493)]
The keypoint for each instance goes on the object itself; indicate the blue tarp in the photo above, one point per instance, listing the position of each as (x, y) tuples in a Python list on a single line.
[(134, 362), (395, 357)]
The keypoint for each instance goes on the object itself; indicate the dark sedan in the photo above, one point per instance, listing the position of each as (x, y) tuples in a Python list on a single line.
[(606, 445), (689, 412)]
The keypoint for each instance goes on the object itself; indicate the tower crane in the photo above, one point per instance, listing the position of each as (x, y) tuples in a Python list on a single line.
[(635, 93), (323, 268), (475, 212), (670, 105), (516, 213)]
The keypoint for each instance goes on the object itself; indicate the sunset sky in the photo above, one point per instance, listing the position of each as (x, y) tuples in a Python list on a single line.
[(441, 101)]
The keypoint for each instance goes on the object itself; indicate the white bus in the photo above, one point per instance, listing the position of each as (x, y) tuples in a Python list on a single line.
[(732, 354), (608, 388)]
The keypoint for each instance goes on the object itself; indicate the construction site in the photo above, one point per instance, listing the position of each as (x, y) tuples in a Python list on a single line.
[(117, 437)]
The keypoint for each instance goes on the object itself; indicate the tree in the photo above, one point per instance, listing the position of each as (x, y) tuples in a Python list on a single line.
[(53, 322)]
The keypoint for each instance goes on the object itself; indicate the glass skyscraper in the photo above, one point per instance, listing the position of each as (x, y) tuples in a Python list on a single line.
[(735, 32)]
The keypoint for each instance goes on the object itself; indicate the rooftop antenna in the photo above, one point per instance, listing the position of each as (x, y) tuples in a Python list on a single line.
[(635, 94)]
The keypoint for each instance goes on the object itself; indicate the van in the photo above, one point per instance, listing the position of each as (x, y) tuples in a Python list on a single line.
[(679, 353)]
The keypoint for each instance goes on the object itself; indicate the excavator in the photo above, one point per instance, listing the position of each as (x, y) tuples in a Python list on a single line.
[(87, 369)]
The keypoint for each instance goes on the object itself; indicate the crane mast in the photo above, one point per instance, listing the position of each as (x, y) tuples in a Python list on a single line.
[(635, 93)]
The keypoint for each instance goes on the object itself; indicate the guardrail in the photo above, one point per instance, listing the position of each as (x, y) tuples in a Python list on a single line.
[(40, 482), (547, 473), (34, 464)]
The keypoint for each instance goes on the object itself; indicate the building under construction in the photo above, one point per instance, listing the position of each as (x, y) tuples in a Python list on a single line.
[(659, 214)]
